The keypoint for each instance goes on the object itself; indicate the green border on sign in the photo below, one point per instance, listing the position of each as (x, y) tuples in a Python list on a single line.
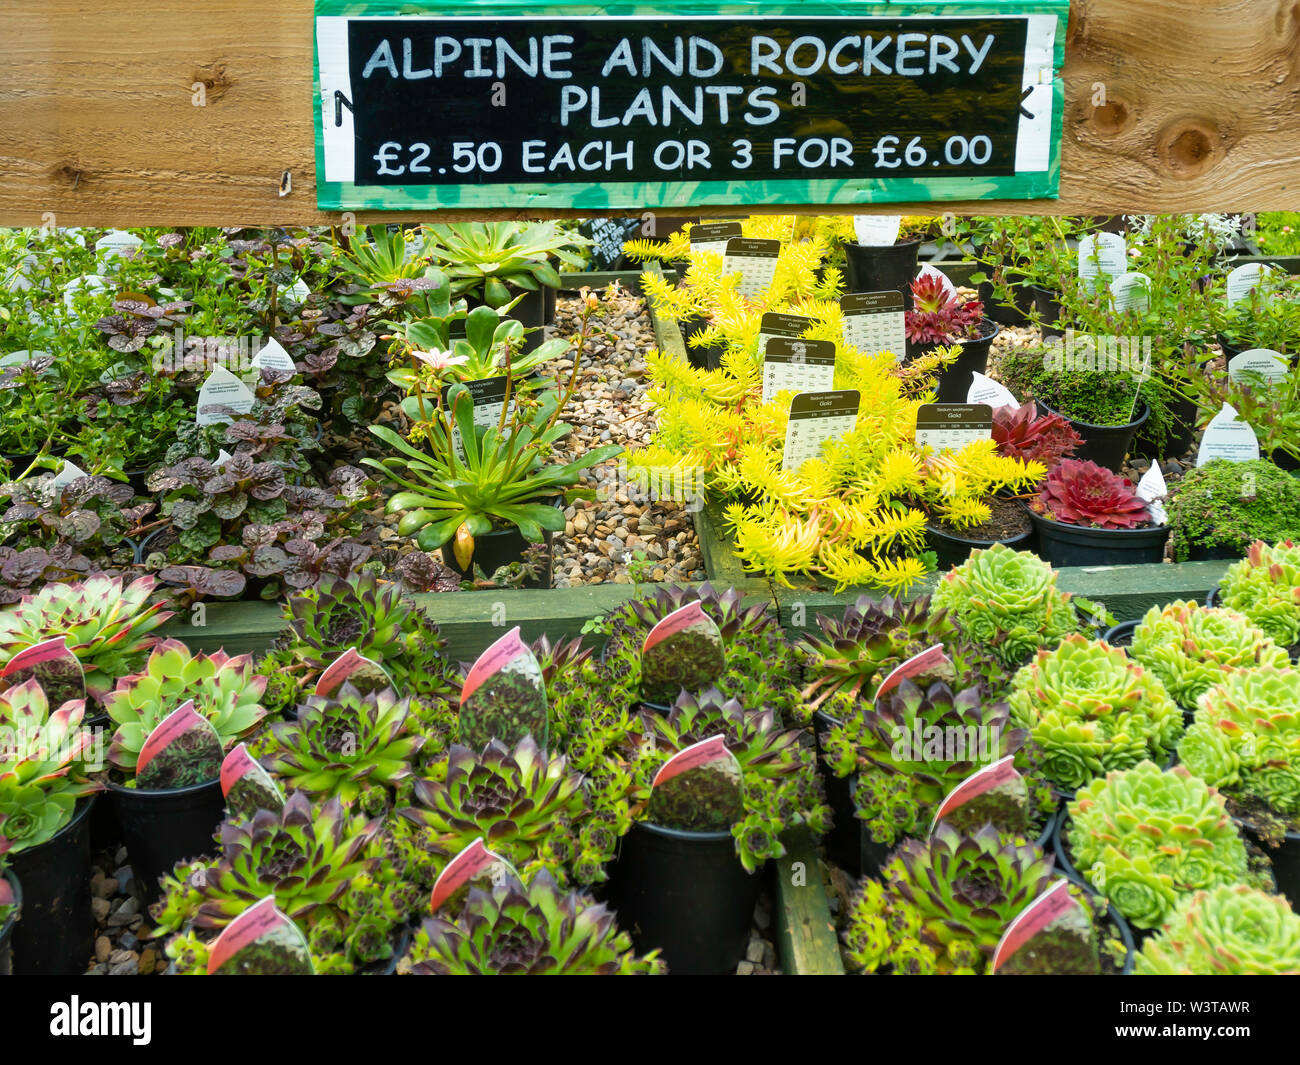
[(601, 196)]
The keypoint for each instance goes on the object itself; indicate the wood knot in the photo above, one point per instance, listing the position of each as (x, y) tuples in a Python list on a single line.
[(1189, 147), (214, 79), (69, 175), (1112, 118)]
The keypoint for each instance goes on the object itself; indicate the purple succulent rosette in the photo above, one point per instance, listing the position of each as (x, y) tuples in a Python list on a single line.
[(184, 750), (504, 696), (699, 789), (682, 652), (996, 795), (261, 941), (1053, 936)]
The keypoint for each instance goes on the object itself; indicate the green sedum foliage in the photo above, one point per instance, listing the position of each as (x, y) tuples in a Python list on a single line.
[(1092, 709), (1232, 504), (1230, 930), (1265, 586), (1146, 839)]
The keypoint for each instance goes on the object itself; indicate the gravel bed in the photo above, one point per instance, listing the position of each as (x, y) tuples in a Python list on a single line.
[(760, 954), (122, 946)]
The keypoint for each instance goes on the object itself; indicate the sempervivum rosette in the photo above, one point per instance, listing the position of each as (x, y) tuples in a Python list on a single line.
[(1092, 709), (1246, 737), (1231, 930), (1008, 601), (1189, 646), (1078, 492), (1265, 586), (1146, 839)]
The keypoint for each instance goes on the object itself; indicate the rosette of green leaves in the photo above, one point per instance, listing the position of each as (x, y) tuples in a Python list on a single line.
[(1188, 647), (1246, 737), (941, 905), (341, 745), (1146, 839), (527, 807), (1265, 586), (377, 619), (899, 786), (1008, 601), (534, 931), (41, 775), (1230, 930), (1091, 709), (225, 690)]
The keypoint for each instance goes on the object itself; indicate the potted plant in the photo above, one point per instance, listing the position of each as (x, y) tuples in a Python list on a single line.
[(1229, 930), (1091, 709), (875, 268), (1088, 516), (1218, 510), (1265, 587), (1189, 647), (1269, 317), (937, 320), (163, 825), (1148, 838), (1245, 740), (45, 801)]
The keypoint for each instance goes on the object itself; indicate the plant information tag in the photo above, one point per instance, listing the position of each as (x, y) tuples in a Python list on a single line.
[(875, 322), (247, 786), (815, 419), (713, 237), (996, 794), (68, 473), (1131, 291), (473, 865), (1243, 279), (798, 366), (273, 357), (488, 397), (1052, 936), (778, 324), (261, 941), (995, 394), (682, 651), (755, 259), (222, 389), (52, 665), (358, 670), (117, 241), (1153, 489), (1102, 253), (930, 659), (951, 426), (182, 751), (1250, 366), (699, 789), (949, 289), (877, 230), (504, 697), (1228, 437)]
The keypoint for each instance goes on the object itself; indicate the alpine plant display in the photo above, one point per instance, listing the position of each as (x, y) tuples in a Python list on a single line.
[(1230, 930)]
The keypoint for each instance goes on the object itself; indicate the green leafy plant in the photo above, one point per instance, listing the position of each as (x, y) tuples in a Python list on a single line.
[(41, 770), (489, 348), (1008, 601), (92, 514), (1146, 839), (1230, 930), (1188, 647), (1265, 587), (489, 259), (1091, 709), (226, 690), (529, 931), (1232, 504), (107, 625)]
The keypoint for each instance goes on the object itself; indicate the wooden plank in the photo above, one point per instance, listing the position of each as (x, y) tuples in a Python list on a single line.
[(600, 279), (1171, 105), (806, 942)]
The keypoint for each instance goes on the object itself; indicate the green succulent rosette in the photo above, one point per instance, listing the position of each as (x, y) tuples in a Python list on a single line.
[(1230, 930), (1246, 736), (1148, 838), (1091, 709), (1188, 647), (1265, 587)]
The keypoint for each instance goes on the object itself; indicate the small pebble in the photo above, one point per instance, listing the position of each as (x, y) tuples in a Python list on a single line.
[(103, 948)]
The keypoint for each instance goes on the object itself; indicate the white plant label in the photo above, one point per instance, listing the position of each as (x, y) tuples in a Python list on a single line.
[(17, 358), (117, 241), (949, 289), (815, 419), (874, 322), (92, 283), (1228, 437), (713, 236), (67, 474), (299, 291), (777, 324), (1102, 253), (1246, 277), (1131, 291), (755, 260), (794, 365), (222, 389), (1152, 489), (984, 389), (1264, 362), (19, 280), (488, 397), (877, 230), (223, 456), (273, 357), (951, 426)]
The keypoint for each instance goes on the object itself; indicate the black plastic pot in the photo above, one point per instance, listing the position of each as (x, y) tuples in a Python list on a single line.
[(1106, 445), (841, 842), (105, 832), (877, 269), (685, 893), (500, 548), (1121, 635), (1073, 545), (1048, 305), (955, 380), (697, 357), (1113, 915), (1286, 865), (161, 828), (1197, 553), (549, 298), (951, 549), (55, 935), (7, 929), (1014, 313)]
